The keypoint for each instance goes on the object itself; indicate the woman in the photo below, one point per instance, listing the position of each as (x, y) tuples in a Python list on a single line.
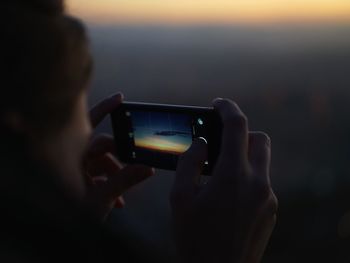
[(59, 183)]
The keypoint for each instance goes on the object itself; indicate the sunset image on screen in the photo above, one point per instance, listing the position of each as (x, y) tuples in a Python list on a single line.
[(161, 132), (162, 145)]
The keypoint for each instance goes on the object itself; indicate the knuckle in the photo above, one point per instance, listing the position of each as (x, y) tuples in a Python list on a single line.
[(236, 121), (228, 170), (264, 198), (272, 207), (273, 220), (98, 108), (261, 189), (103, 104), (223, 104), (103, 137), (261, 138), (273, 202)]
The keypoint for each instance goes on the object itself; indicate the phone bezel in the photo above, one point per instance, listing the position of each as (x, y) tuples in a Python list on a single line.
[(121, 127)]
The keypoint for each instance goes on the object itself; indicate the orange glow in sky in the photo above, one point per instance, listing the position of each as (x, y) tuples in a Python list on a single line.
[(161, 145), (210, 11)]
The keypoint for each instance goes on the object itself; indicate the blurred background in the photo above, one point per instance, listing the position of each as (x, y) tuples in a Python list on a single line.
[(287, 64)]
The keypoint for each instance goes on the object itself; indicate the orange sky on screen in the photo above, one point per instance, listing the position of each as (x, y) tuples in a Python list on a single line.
[(162, 145), (210, 11)]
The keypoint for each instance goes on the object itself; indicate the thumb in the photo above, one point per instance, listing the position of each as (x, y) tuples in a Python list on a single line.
[(188, 172), (260, 154), (126, 178)]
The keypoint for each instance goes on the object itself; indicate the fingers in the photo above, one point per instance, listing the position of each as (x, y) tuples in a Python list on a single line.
[(100, 145), (234, 142), (110, 180), (104, 166), (260, 238), (260, 154), (99, 112), (235, 130), (119, 202), (126, 178), (188, 172), (265, 223)]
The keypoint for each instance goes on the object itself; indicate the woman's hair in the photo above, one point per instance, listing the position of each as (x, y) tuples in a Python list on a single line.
[(45, 63)]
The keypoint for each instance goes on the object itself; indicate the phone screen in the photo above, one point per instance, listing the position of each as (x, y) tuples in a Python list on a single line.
[(159, 134), (156, 135)]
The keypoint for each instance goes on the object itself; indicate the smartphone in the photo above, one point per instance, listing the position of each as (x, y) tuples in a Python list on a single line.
[(157, 134)]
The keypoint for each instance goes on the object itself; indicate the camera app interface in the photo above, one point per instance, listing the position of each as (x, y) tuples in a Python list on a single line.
[(160, 136)]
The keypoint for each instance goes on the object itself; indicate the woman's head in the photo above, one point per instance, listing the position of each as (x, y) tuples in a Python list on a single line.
[(46, 62), (46, 66)]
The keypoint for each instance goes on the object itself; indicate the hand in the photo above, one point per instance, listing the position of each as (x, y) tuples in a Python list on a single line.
[(231, 218), (107, 178)]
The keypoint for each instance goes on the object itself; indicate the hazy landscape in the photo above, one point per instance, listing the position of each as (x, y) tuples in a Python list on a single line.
[(292, 81)]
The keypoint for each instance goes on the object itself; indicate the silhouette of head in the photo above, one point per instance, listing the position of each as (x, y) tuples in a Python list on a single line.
[(46, 66)]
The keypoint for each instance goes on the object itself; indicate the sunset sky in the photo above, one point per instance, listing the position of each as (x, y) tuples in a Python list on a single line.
[(148, 128), (210, 11), (162, 145)]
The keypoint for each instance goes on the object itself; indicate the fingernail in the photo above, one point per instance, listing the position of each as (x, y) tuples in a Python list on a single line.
[(118, 96), (268, 142), (217, 100)]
